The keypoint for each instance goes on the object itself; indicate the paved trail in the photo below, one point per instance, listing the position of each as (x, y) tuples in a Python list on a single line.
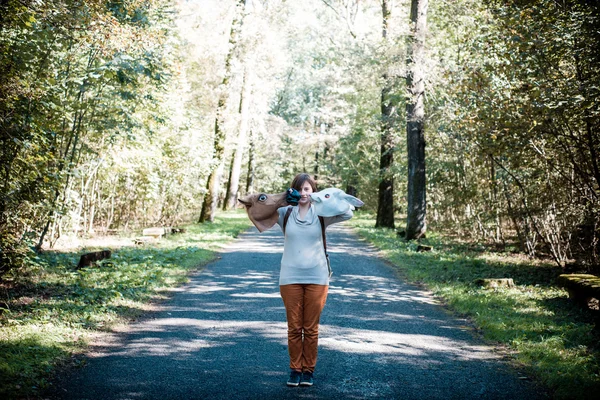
[(223, 336)]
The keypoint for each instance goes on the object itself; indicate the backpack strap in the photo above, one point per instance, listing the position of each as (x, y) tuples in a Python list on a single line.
[(286, 217), (322, 221)]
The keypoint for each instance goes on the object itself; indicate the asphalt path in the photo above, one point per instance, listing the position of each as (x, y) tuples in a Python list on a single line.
[(223, 336)]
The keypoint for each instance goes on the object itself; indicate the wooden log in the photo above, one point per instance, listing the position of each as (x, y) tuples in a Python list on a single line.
[(494, 283), (145, 239), (581, 287), (88, 259), (154, 232)]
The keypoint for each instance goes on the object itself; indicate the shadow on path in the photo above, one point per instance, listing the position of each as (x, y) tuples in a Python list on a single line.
[(223, 336)]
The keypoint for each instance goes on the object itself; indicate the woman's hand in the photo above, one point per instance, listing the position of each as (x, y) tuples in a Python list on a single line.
[(292, 197)]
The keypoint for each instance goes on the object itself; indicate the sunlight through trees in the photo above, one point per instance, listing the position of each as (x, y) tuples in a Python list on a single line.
[(116, 115)]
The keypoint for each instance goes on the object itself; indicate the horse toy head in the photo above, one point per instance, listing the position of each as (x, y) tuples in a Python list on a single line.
[(331, 202), (262, 208)]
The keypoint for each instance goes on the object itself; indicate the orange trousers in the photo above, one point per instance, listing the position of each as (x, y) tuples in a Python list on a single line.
[(303, 306)]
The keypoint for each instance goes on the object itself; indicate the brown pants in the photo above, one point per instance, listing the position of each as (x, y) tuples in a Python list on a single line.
[(303, 306)]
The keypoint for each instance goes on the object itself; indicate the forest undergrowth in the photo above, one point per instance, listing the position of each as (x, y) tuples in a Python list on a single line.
[(534, 323), (49, 313)]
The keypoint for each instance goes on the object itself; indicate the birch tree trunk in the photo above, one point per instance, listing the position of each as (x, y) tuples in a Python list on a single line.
[(416, 225), (67, 159), (236, 165), (385, 203), (209, 206), (251, 165)]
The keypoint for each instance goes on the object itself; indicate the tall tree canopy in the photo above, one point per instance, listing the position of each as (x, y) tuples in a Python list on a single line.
[(108, 110)]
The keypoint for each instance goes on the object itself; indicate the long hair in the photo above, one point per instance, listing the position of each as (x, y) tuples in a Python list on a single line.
[(299, 180)]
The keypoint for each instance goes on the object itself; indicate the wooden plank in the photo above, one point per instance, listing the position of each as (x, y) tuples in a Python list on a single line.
[(581, 287), (155, 232), (145, 239)]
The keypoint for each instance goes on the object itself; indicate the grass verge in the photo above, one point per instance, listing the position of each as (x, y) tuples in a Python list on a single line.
[(553, 338), (48, 314)]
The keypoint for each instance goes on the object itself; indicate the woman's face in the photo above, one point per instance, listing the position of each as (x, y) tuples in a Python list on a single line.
[(305, 191)]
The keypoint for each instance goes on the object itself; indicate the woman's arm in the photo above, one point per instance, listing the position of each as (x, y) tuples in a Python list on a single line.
[(338, 218)]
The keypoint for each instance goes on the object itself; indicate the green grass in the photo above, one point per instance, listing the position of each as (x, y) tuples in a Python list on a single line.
[(550, 336), (48, 314)]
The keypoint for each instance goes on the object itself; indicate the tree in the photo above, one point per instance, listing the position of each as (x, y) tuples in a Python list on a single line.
[(415, 118), (238, 152), (77, 79), (385, 203), (209, 205)]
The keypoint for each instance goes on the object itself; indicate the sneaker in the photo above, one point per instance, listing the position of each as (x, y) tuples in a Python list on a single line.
[(307, 379), (294, 379)]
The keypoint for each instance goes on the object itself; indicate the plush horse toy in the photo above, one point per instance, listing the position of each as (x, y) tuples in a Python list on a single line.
[(331, 202), (262, 207)]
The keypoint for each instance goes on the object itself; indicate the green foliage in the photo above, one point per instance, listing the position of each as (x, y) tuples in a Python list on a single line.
[(107, 113), (75, 81), (48, 314), (551, 336), (515, 138)]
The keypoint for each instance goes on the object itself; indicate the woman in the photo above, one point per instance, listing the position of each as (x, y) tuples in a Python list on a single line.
[(304, 277)]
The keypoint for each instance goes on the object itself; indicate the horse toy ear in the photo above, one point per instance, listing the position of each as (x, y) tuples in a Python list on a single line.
[(355, 202), (331, 202), (262, 209)]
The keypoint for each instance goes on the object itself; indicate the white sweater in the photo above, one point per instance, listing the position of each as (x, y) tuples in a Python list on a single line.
[(303, 258)]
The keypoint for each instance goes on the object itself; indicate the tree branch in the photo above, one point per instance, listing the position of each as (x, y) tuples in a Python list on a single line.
[(342, 17)]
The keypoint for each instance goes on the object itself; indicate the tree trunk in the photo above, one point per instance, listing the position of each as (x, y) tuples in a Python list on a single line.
[(385, 203), (94, 199), (316, 168), (251, 166), (415, 115), (228, 192), (205, 203), (236, 164), (495, 203), (209, 206), (211, 197), (67, 161), (318, 130)]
